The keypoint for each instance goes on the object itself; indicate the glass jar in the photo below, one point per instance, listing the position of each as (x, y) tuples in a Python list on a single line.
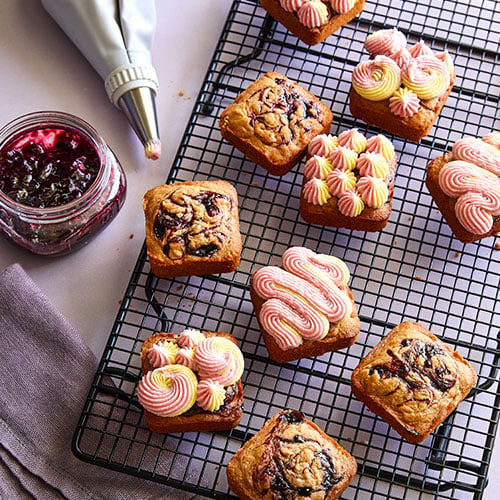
[(98, 191)]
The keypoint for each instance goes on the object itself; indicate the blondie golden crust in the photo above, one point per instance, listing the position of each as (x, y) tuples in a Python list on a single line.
[(192, 228), (377, 113), (196, 419), (446, 204), (273, 121), (370, 219), (340, 335), (290, 457), (412, 380), (311, 36)]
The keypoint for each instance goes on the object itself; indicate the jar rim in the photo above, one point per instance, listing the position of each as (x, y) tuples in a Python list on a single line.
[(45, 119)]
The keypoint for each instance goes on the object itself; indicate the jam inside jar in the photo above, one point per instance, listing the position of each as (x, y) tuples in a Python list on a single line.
[(59, 182)]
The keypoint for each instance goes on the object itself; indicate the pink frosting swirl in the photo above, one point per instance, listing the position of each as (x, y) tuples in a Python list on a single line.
[(276, 283), (385, 42), (339, 181), (220, 359), (162, 353), (350, 203), (381, 145), (286, 314), (342, 6), (322, 145), (210, 395), (477, 192), (344, 158), (168, 391), (324, 272), (373, 191), (404, 103), (353, 139), (420, 49), (316, 191), (402, 57), (445, 57), (313, 14), (376, 79), (185, 356), (308, 264), (479, 152), (373, 164), (317, 166), (292, 5), (427, 76), (190, 337), (493, 139)]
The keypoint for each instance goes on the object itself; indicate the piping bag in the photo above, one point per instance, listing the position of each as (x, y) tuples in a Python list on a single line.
[(116, 37)]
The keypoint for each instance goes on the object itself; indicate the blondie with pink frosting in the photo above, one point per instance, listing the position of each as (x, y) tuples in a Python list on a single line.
[(465, 185), (312, 21), (401, 89), (348, 181), (191, 381), (304, 308)]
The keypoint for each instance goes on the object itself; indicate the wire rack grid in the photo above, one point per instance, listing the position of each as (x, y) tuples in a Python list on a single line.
[(414, 269)]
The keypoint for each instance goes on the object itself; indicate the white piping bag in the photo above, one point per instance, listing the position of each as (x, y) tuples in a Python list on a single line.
[(116, 37)]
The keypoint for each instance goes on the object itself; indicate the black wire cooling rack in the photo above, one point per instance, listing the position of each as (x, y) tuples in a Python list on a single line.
[(414, 269)]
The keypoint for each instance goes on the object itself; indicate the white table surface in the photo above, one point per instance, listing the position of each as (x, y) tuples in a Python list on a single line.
[(41, 69)]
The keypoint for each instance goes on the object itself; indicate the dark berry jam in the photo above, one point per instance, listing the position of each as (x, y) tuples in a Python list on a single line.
[(48, 167), (59, 182), (419, 365)]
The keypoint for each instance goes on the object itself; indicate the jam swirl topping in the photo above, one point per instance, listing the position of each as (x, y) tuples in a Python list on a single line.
[(193, 225), (293, 465), (279, 114), (420, 367)]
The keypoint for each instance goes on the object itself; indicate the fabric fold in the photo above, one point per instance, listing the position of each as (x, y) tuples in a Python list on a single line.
[(45, 373)]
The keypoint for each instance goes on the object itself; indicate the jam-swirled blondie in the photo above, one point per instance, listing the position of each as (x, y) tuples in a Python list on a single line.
[(412, 380), (290, 457), (192, 228), (273, 121)]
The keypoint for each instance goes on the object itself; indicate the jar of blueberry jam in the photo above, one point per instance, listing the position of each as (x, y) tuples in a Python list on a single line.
[(59, 182)]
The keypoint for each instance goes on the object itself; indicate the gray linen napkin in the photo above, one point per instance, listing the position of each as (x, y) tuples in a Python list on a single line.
[(45, 373)]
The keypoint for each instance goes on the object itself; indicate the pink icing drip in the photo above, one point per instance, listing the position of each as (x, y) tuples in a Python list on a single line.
[(313, 14), (478, 152), (385, 42)]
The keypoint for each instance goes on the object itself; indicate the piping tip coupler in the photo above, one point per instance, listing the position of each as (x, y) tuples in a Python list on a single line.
[(133, 90)]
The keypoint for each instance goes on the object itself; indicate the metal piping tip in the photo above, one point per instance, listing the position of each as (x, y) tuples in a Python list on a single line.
[(140, 109)]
